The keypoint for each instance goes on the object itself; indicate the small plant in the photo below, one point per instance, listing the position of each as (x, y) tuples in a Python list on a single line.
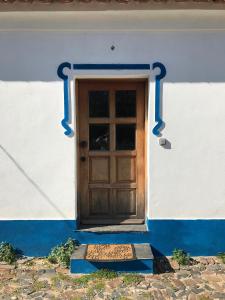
[(221, 255), (30, 263), (104, 274), (90, 293), (181, 257), (95, 289), (61, 254), (54, 281), (83, 280), (39, 285), (59, 278), (129, 279), (101, 274), (7, 253)]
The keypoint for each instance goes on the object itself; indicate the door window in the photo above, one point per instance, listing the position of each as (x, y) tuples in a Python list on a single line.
[(99, 137), (98, 104)]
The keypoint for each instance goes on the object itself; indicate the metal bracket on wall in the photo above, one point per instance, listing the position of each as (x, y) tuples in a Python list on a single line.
[(66, 120)]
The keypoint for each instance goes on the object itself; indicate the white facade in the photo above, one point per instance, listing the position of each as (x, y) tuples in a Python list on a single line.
[(38, 162)]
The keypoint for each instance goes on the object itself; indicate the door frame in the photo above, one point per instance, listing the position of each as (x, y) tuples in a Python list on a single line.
[(145, 80)]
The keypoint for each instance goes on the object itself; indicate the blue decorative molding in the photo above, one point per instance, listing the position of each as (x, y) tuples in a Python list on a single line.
[(111, 67), (66, 119), (64, 77), (158, 117)]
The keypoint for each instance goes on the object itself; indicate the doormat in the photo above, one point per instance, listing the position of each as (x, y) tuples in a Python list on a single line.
[(114, 252)]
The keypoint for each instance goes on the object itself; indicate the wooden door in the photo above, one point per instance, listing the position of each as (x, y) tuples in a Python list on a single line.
[(111, 151)]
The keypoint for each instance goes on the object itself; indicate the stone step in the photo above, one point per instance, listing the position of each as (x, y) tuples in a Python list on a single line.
[(142, 262), (113, 228)]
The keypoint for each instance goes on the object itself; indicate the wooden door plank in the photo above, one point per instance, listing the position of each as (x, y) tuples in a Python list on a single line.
[(140, 152), (83, 152)]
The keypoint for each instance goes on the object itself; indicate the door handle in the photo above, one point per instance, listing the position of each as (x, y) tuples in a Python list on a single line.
[(83, 144), (82, 158)]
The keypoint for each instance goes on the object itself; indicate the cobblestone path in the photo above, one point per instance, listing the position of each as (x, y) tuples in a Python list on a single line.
[(38, 279)]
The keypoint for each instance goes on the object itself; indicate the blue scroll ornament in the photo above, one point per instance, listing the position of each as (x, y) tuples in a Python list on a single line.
[(62, 66), (158, 117), (65, 120), (60, 72)]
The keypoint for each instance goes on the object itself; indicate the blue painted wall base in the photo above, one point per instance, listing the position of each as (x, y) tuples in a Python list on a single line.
[(198, 237), (36, 237), (82, 266)]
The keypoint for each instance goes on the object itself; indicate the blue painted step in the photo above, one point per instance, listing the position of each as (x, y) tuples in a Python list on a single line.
[(132, 237), (142, 263)]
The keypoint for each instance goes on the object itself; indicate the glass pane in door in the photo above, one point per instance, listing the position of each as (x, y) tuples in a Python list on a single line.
[(125, 104), (99, 137), (98, 104), (125, 136)]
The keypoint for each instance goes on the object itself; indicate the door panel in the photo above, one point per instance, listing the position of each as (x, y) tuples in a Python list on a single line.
[(99, 201), (99, 169), (126, 201), (111, 151), (125, 169)]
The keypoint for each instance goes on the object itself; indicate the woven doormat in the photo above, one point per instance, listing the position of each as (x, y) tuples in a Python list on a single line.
[(112, 252)]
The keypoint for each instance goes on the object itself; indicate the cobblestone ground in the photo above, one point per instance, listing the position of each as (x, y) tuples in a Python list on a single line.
[(38, 279)]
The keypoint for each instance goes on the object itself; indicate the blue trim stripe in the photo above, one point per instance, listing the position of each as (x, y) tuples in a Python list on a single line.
[(64, 77), (198, 237), (111, 67), (60, 70), (65, 120), (158, 78)]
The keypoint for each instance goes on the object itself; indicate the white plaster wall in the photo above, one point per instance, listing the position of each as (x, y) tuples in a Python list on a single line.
[(37, 161), (37, 166), (188, 180)]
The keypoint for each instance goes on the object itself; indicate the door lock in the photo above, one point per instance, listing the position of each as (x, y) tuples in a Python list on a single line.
[(82, 158)]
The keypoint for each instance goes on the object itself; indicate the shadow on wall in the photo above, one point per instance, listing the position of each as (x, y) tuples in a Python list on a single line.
[(189, 56), (32, 182)]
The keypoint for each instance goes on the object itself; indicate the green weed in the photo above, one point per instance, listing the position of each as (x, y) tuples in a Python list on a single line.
[(38, 285), (7, 253), (181, 257), (61, 254), (101, 274), (221, 256), (129, 279), (95, 289)]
